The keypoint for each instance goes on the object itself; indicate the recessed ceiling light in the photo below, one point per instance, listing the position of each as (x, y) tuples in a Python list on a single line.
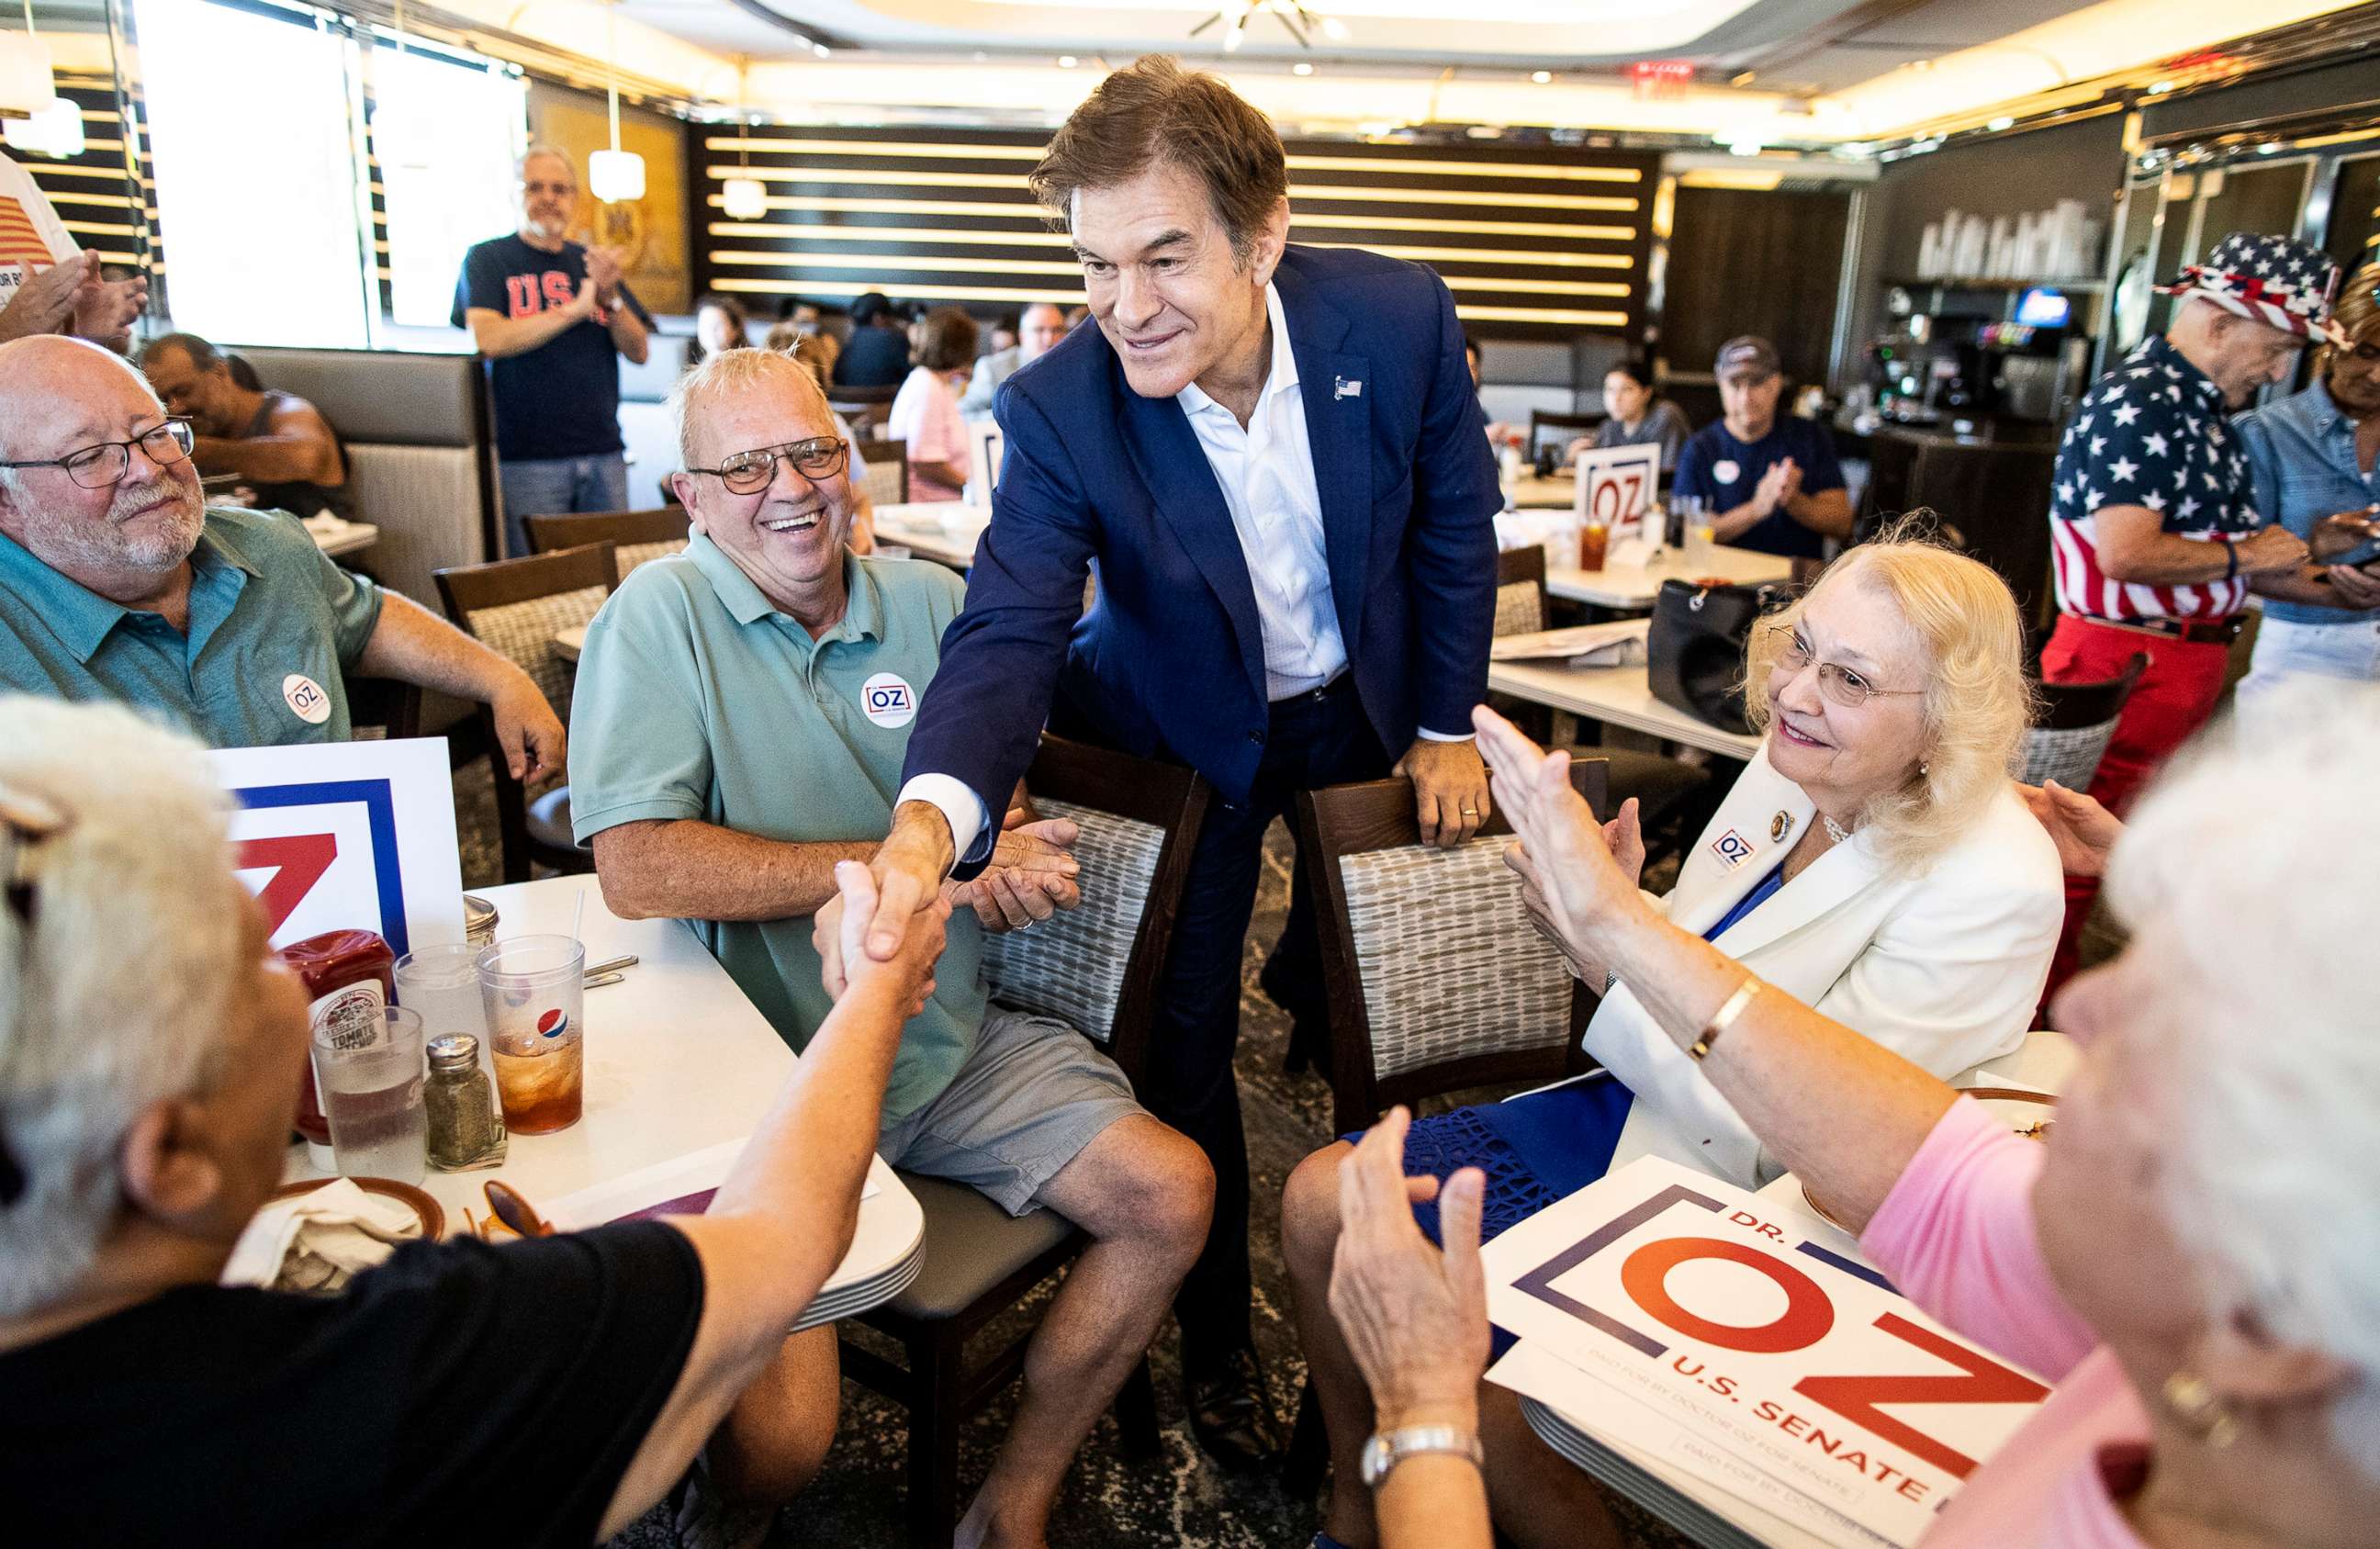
[(1921, 63), (1541, 77), (2001, 123), (1067, 61), (1301, 68), (820, 50)]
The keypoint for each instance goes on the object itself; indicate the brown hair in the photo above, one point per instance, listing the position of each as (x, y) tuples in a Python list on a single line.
[(2358, 310), (1156, 111), (945, 339)]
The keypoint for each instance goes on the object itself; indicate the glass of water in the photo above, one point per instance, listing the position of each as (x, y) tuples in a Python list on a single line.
[(369, 1071), (443, 984)]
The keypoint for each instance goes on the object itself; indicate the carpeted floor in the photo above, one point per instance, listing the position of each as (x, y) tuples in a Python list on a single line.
[(1107, 1500)]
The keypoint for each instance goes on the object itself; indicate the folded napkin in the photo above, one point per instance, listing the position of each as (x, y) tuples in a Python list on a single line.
[(318, 1240)]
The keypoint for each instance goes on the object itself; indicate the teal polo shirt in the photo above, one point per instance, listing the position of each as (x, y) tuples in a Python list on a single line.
[(273, 623), (697, 700)]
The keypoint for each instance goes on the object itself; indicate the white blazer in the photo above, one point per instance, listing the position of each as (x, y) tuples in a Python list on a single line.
[(1944, 967)]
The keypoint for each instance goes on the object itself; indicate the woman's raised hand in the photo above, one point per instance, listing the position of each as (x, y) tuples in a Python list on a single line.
[(1562, 850)]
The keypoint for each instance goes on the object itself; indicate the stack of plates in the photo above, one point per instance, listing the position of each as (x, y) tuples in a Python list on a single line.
[(837, 1302)]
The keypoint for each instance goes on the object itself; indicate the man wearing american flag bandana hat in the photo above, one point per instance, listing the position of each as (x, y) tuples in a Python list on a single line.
[(2155, 539)]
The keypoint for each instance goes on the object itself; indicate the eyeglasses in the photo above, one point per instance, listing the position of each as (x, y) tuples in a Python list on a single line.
[(103, 464), (748, 473), (1838, 683)]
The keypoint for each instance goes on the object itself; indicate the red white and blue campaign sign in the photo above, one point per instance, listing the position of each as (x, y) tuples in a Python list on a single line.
[(349, 836), (1765, 1338)]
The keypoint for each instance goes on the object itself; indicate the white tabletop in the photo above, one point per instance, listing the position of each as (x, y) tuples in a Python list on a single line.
[(567, 644), (1616, 697), (1635, 585), (680, 1065), (943, 532), (345, 537)]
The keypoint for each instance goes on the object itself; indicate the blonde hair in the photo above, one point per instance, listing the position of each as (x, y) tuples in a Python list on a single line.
[(2357, 313), (116, 984), (1977, 703), (734, 372)]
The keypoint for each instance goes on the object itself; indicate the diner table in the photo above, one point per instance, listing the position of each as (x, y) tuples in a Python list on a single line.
[(943, 532), (1620, 696), (1629, 588), (1533, 491), (336, 539), (681, 1067), (1637, 1468)]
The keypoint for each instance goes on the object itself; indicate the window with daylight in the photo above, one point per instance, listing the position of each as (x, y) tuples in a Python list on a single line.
[(446, 133), (251, 123)]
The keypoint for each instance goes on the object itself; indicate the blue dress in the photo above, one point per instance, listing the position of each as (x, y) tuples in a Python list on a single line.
[(1541, 1146)]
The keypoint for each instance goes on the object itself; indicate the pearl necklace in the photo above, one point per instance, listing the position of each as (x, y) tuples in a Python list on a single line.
[(1835, 830)]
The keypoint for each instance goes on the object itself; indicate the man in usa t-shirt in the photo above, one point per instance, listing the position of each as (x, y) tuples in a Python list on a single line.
[(552, 317)]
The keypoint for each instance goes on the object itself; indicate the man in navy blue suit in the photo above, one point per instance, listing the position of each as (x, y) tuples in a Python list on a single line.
[(1274, 460)]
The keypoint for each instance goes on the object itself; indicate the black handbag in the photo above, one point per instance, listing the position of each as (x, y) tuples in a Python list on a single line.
[(1694, 651)]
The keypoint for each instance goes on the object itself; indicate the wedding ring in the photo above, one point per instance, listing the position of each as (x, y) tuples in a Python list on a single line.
[(1470, 812)]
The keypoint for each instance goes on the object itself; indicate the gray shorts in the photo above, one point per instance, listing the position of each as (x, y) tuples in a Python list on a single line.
[(1032, 1094)]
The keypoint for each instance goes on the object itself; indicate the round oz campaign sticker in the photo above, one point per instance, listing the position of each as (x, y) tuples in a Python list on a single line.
[(889, 700), (306, 700), (1727, 470)]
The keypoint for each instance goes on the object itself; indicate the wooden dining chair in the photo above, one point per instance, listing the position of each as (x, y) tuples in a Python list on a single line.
[(514, 607), (382, 708), (636, 535), (1672, 796), (1095, 968), (883, 472), (1545, 424), (2075, 722), (1436, 980)]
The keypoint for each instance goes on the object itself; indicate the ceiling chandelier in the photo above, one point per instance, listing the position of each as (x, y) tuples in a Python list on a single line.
[(1299, 18)]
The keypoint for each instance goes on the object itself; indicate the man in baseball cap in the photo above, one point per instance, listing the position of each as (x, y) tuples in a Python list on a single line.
[(1765, 482), (2156, 536)]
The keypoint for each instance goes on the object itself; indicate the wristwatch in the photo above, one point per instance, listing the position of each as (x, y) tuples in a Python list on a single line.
[(1388, 1448)]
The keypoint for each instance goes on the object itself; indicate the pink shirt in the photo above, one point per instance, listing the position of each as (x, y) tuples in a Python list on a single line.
[(926, 415), (1956, 1236)]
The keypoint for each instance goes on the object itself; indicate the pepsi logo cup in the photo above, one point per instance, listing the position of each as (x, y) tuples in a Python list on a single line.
[(533, 990)]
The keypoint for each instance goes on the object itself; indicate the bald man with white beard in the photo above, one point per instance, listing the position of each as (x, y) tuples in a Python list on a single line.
[(117, 582)]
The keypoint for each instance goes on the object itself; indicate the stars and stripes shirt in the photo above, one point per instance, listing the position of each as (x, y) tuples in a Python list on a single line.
[(2149, 433)]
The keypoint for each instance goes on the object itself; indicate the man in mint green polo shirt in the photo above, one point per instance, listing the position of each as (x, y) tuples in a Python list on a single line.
[(118, 583), (740, 719)]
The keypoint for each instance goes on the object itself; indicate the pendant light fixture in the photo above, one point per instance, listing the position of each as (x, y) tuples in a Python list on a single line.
[(615, 176), (743, 197), (26, 87)]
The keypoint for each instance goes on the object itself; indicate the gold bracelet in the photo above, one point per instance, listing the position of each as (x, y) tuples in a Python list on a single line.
[(1725, 1018)]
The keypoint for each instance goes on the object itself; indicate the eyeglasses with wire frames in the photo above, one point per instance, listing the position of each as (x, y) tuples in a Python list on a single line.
[(103, 463), (1840, 685), (748, 473)]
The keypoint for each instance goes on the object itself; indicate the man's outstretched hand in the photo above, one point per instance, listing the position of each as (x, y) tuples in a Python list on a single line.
[(908, 868), (1030, 879)]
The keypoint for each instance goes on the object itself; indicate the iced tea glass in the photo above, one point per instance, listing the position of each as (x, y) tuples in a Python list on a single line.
[(1593, 538), (532, 989)]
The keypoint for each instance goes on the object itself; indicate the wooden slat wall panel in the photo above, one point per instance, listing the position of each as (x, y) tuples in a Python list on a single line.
[(1535, 243), (89, 191)]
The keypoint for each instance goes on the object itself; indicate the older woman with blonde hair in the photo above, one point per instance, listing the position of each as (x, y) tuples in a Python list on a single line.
[(2192, 1260), (1873, 860)]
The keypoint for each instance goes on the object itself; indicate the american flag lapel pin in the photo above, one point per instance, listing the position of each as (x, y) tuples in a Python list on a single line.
[(1343, 388)]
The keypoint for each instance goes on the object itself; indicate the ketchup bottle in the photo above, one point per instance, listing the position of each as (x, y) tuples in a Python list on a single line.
[(348, 974)]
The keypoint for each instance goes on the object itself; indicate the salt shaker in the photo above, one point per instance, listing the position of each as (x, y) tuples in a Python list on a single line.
[(467, 1132)]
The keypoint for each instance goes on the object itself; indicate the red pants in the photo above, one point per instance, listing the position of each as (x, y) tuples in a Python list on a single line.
[(2176, 694)]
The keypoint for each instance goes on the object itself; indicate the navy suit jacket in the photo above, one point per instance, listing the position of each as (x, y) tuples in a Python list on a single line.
[(1171, 660)]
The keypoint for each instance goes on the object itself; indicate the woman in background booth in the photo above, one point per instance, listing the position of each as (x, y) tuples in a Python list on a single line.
[(2194, 1259), (926, 411), (1637, 416), (1874, 859), (720, 323)]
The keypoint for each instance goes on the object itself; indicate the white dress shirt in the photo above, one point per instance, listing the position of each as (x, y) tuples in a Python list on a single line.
[(1266, 472)]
